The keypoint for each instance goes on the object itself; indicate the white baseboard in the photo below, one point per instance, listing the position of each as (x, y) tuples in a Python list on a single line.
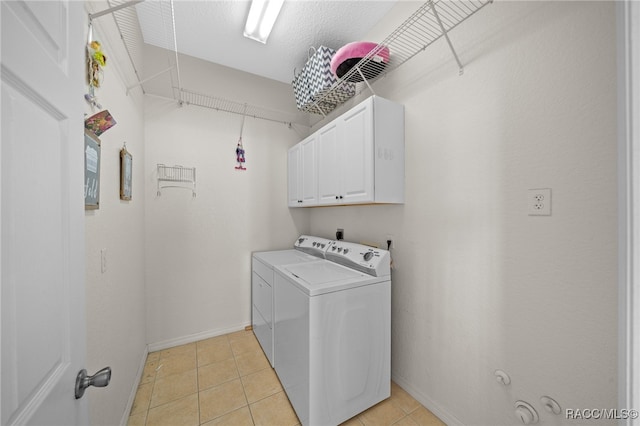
[(134, 388), (428, 403), (170, 343)]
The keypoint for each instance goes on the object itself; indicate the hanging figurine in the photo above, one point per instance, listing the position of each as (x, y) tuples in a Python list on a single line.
[(239, 147), (240, 156)]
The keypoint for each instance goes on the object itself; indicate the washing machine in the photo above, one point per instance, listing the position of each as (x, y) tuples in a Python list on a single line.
[(305, 249), (332, 332)]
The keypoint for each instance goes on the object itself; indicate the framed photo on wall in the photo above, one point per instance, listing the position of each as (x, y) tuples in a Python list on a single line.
[(91, 171), (126, 164)]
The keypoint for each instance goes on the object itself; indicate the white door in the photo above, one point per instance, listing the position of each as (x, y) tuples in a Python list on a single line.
[(42, 212)]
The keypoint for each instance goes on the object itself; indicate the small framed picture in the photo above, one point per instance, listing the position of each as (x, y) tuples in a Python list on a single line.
[(126, 163), (91, 171)]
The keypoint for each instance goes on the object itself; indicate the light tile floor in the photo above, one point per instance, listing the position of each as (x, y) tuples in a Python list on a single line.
[(227, 380)]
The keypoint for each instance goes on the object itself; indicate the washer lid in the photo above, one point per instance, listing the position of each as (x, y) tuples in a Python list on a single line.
[(323, 276)]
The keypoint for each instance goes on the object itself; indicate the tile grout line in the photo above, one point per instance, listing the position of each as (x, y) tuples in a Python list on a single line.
[(242, 384), (153, 386)]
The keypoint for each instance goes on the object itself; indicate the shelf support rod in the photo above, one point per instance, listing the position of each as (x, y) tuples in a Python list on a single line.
[(365, 80), (113, 9), (141, 82), (317, 105), (446, 36)]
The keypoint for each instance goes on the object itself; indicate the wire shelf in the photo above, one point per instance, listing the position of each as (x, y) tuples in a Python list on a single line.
[(176, 177), (190, 97), (429, 23), (159, 19)]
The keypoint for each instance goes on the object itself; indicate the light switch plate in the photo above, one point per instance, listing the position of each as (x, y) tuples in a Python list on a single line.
[(103, 260), (539, 202)]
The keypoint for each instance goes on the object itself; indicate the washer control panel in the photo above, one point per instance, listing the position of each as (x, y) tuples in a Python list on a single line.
[(315, 246)]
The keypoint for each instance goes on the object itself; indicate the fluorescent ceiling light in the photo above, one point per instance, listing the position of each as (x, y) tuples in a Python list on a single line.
[(262, 16)]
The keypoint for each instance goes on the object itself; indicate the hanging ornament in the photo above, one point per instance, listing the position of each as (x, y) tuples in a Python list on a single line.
[(239, 148), (240, 156), (96, 61)]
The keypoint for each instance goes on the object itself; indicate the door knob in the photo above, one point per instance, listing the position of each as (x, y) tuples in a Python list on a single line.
[(99, 380)]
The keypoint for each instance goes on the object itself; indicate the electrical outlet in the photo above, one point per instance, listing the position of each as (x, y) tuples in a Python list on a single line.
[(539, 202), (390, 242)]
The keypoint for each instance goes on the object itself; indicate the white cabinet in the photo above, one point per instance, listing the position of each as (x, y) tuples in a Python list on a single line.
[(360, 156), (303, 174)]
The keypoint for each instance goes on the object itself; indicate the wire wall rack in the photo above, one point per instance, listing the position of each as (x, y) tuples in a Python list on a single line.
[(176, 177), (432, 21)]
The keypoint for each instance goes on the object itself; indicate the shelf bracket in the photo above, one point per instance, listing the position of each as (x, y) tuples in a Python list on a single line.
[(141, 82), (446, 36), (365, 80)]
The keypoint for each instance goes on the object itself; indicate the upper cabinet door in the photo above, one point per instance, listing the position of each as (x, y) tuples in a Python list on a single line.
[(356, 155), (328, 165), (309, 172), (293, 176), (302, 174)]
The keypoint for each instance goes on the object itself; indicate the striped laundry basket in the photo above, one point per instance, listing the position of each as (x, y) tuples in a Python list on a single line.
[(301, 88), (322, 80), (314, 87)]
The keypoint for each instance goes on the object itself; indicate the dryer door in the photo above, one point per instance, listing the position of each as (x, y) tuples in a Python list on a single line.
[(350, 365)]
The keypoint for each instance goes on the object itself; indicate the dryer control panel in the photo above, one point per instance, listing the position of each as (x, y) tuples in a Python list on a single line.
[(367, 259)]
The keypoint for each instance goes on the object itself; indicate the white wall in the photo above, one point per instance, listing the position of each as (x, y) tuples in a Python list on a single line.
[(478, 284), (198, 249), (115, 299)]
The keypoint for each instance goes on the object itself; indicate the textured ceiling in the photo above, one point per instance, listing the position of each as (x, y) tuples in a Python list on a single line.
[(212, 30)]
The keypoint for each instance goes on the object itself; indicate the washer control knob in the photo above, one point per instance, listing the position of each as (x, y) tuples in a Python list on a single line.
[(345, 251), (526, 413), (502, 377), (550, 405), (368, 255)]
